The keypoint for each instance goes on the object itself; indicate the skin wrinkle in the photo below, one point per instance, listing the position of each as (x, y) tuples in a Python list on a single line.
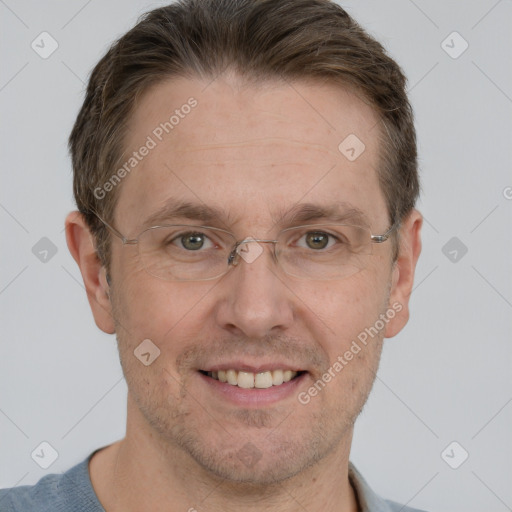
[(178, 212), (258, 143)]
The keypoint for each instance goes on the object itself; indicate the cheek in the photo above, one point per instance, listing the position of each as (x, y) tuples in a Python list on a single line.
[(148, 307), (352, 339), (348, 312), (167, 313), (347, 306)]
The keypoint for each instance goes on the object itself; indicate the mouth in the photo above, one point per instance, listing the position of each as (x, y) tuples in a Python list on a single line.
[(249, 380)]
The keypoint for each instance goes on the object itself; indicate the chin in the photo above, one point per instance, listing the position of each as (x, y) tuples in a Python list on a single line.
[(256, 457), (250, 466)]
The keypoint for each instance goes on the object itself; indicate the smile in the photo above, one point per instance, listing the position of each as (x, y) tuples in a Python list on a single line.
[(248, 380)]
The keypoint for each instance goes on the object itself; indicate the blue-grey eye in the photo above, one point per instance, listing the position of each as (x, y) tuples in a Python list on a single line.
[(193, 241), (317, 240)]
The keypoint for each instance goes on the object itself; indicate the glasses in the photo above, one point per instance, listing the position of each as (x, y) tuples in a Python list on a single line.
[(182, 252)]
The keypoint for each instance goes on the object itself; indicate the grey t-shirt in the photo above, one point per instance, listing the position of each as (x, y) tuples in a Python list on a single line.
[(72, 491)]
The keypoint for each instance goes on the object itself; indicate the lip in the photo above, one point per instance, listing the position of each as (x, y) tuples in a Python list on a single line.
[(254, 397)]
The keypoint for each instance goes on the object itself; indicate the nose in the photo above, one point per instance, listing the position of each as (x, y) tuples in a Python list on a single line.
[(255, 300)]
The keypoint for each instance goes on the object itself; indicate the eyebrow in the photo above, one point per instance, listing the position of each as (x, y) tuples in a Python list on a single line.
[(300, 213), (338, 212), (173, 209)]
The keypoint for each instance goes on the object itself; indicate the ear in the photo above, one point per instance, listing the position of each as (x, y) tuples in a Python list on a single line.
[(82, 248), (403, 272)]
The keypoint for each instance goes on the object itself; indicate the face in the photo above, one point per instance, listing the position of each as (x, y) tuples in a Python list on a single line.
[(251, 156)]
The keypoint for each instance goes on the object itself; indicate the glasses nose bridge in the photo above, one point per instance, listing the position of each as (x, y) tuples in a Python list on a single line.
[(235, 254)]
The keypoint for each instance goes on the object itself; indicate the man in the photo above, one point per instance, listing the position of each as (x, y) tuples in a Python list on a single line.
[(245, 175)]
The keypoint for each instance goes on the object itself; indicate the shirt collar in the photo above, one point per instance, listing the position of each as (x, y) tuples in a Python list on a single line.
[(367, 499)]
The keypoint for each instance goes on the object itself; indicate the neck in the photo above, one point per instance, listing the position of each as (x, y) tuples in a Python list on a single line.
[(143, 472)]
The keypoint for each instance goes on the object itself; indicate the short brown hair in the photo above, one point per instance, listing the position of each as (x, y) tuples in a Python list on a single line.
[(258, 39)]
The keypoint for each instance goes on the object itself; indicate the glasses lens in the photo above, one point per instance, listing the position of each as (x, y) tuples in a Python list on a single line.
[(324, 251), (198, 253), (184, 252)]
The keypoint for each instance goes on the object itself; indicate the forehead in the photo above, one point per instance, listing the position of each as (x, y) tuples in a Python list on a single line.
[(251, 151)]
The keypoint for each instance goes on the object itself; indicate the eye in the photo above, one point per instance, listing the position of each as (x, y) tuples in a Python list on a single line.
[(193, 241), (316, 240)]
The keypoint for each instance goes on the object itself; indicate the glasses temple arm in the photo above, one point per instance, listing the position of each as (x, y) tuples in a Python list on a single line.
[(114, 231), (378, 239)]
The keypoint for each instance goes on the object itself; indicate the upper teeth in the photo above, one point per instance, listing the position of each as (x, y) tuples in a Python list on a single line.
[(249, 380)]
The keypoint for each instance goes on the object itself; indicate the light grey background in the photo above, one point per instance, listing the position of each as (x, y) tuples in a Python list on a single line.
[(446, 377)]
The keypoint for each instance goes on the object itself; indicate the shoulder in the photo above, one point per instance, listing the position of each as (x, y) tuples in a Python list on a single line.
[(71, 490), (393, 506), (40, 497)]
